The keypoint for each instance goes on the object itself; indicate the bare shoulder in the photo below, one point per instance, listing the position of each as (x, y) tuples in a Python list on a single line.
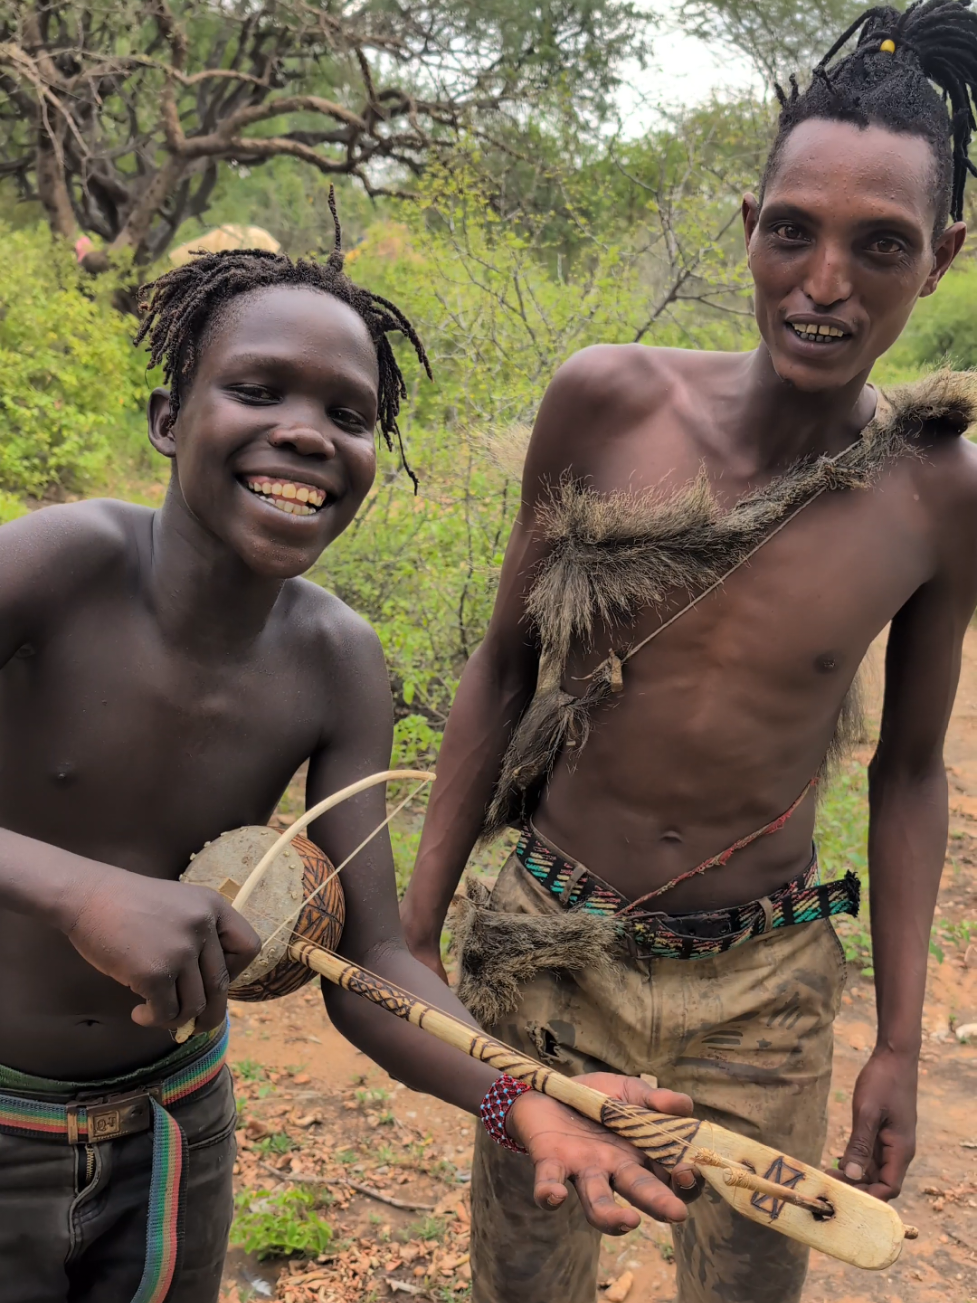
[(598, 395), (335, 634), (58, 550)]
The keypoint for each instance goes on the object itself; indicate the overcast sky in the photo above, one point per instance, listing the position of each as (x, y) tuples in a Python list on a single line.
[(684, 71)]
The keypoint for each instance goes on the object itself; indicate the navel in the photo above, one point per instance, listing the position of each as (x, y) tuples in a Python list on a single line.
[(826, 663), (64, 773)]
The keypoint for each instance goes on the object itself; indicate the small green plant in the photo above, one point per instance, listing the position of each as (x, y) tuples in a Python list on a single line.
[(365, 1098), (347, 1156), (249, 1070), (431, 1228), (278, 1225), (279, 1143)]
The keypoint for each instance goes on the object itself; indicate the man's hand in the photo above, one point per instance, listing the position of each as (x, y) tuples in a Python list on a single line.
[(177, 946), (422, 946), (566, 1147), (883, 1136)]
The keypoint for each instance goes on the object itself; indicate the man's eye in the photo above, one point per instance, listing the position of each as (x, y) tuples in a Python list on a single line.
[(886, 244), (348, 419), (257, 394), (788, 231)]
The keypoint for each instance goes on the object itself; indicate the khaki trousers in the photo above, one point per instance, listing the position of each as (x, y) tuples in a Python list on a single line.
[(747, 1034)]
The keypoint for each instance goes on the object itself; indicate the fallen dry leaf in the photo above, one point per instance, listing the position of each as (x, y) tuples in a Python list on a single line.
[(619, 1289)]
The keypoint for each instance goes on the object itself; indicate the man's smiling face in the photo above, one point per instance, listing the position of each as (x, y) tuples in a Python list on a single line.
[(274, 439), (842, 248)]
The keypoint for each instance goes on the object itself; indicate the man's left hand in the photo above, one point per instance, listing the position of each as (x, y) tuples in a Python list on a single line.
[(567, 1148), (883, 1136)]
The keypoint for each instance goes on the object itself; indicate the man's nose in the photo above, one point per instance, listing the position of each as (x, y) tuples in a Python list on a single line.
[(304, 438), (828, 278)]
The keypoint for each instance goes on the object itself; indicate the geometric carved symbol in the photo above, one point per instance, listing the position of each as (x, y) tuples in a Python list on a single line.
[(782, 1173)]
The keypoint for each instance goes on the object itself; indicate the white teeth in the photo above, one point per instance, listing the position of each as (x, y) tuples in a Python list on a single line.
[(293, 499)]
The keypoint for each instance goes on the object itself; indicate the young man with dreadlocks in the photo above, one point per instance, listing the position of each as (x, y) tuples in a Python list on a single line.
[(652, 713), (164, 674)]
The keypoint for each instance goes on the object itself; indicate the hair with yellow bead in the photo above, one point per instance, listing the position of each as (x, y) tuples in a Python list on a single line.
[(913, 71)]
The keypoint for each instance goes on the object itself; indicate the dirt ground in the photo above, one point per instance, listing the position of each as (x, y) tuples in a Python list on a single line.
[(317, 1115)]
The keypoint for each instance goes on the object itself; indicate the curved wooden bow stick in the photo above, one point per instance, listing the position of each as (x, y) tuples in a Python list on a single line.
[(762, 1183), (184, 1032)]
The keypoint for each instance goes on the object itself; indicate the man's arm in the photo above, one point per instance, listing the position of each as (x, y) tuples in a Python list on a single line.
[(591, 397), (907, 845), (563, 1146)]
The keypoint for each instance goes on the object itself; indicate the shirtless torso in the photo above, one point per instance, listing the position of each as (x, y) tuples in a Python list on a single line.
[(87, 667), (725, 718)]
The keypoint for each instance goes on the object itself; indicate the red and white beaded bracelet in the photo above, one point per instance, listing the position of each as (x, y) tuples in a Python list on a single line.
[(494, 1109)]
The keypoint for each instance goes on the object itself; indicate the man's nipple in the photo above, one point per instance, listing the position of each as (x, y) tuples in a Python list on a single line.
[(64, 772)]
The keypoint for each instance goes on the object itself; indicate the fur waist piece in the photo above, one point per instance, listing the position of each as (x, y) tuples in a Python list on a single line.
[(615, 555), (578, 922)]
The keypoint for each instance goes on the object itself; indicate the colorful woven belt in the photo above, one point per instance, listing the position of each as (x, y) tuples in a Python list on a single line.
[(125, 1113), (686, 936)]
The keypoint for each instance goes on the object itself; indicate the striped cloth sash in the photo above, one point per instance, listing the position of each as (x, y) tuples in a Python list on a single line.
[(80, 1124)]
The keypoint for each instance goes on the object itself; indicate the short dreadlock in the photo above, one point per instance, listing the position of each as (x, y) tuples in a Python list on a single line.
[(891, 79), (181, 304)]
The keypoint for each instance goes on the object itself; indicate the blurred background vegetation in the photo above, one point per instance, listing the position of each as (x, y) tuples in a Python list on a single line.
[(495, 179)]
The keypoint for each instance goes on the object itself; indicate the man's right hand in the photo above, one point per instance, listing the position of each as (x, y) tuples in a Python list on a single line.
[(421, 945), (177, 946)]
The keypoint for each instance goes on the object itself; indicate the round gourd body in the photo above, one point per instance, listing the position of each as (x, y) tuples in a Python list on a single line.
[(299, 870)]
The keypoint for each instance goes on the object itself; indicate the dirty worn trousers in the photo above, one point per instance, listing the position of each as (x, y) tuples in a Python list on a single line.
[(747, 1034)]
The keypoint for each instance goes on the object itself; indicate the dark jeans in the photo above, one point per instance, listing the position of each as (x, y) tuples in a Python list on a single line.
[(73, 1218)]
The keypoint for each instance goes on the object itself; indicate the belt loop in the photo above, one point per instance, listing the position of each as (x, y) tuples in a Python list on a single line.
[(71, 1121), (571, 882), (767, 906)]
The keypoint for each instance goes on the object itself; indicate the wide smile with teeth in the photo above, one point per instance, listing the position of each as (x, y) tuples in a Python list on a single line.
[(813, 333), (290, 496)]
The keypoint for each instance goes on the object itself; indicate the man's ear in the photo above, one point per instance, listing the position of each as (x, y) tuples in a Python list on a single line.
[(160, 433), (751, 215), (945, 249)]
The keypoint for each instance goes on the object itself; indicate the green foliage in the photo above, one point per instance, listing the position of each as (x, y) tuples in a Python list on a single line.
[(277, 1225), (943, 327), (10, 507), (71, 377), (278, 1143), (842, 840)]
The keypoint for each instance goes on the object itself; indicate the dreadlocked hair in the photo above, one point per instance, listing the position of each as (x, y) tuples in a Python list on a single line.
[(181, 305), (913, 72)]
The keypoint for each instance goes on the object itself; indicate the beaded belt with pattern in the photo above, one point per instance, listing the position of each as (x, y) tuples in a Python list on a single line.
[(687, 936)]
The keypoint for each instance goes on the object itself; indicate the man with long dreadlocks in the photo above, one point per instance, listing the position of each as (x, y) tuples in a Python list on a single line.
[(162, 676), (707, 545)]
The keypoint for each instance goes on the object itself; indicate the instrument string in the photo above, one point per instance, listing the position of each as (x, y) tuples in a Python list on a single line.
[(352, 855)]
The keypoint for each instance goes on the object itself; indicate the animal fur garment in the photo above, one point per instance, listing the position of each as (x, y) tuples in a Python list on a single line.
[(499, 953), (612, 556)]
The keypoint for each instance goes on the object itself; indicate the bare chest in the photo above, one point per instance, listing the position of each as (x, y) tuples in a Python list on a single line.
[(119, 747)]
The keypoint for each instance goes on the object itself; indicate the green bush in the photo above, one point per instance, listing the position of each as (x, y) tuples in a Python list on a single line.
[(276, 1225), (71, 378), (943, 327)]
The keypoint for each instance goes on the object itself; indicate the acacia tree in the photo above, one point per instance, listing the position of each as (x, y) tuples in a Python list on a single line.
[(117, 114)]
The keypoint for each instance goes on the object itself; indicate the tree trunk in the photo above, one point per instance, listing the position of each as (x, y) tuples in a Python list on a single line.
[(52, 187), (137, 226)]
